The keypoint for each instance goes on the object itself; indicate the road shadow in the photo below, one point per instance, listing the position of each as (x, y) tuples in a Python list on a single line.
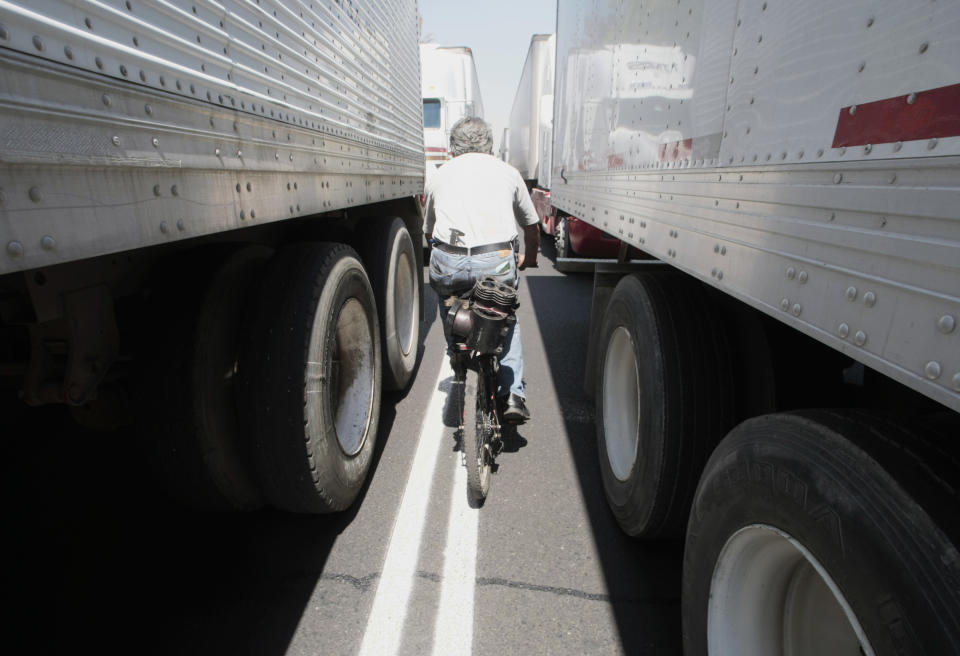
[(548, 248), (99, 560), (642, 578), (512, 440)]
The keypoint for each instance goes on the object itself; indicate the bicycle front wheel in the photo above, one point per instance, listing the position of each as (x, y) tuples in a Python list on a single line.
[(477, 434)]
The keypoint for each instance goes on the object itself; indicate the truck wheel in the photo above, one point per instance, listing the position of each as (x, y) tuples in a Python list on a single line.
[(801, 542), (187, 387), (310, 378), (562, 238), (663, 396), (394, 276)]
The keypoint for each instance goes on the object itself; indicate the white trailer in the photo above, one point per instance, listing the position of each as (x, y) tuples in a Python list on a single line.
[(527, 145), (531, 117), (208, 209), (451, 91), (782, 385)]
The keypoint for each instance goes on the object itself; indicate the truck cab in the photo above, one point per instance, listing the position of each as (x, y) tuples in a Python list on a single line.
[(450, 91)]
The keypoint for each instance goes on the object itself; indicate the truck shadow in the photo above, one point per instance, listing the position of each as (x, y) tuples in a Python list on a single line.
[(98, 558), (642, 578), (548, 248)]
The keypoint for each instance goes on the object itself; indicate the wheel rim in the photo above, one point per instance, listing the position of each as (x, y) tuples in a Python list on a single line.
[(769, 595), (561, 237), (483, 453), (404, 303), (621, 403), (475, 426), (352, 376)]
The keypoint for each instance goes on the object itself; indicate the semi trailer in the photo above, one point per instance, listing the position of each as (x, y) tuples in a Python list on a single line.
[(779, 386), (451, 91), (208, 216), (529, 139)]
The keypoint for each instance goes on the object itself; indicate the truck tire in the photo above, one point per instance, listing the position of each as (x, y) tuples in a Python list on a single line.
[(808, 536), (393, 273), (663, 399), (310, 378), (187, 406)]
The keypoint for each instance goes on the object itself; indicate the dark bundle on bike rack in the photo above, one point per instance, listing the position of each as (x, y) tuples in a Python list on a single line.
[(482, 317), (490, 326), (459, 320), (493, 314), (492, 293)]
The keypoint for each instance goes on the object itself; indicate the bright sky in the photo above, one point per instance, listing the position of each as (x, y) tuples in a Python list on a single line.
[(498, 32)]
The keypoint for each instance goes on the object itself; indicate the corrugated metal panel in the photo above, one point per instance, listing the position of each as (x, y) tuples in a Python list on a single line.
[(716, 135), (198, 114)]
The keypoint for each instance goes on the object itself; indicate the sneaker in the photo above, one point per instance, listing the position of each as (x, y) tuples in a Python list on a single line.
[(515, 411)]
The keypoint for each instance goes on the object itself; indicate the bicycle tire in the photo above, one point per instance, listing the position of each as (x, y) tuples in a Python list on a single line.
[(477, 427)]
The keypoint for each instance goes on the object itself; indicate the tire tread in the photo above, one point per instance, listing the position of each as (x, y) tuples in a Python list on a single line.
[(694, 397), (273, 399)]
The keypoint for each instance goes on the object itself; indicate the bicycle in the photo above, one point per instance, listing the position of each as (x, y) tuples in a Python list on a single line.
[(477, 323)]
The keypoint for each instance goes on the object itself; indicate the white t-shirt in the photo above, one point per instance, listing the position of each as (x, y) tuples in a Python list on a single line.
[(476, 199)]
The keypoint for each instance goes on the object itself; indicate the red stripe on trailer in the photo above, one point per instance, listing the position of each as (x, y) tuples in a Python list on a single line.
[(932, 114), (676, 151), (434, 149)]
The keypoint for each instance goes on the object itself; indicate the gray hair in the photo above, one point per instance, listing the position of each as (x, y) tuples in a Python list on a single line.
[(471, 135)]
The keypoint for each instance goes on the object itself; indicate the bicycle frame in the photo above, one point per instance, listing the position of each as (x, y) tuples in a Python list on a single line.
[(477, 323), (479, 429)]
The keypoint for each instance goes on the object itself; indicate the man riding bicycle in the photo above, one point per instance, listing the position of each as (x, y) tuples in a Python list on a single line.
[(474, 203)]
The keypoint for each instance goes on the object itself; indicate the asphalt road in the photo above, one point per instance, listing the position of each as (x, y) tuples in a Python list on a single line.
[(97, 561)]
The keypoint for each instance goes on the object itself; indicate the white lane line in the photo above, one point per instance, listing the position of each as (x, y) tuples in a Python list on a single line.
[(385, 624), (453, 633)]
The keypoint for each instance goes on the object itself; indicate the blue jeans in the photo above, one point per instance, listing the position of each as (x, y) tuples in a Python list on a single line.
[(455, 274)]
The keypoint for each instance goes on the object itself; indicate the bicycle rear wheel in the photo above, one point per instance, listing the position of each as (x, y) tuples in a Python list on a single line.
[(477, 434)]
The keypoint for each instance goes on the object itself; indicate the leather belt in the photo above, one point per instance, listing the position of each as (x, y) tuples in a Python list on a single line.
[(476, 250)]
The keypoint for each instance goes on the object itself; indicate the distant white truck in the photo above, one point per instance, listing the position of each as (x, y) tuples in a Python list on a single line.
[(781, 385), (451, 91), (207, 219)]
